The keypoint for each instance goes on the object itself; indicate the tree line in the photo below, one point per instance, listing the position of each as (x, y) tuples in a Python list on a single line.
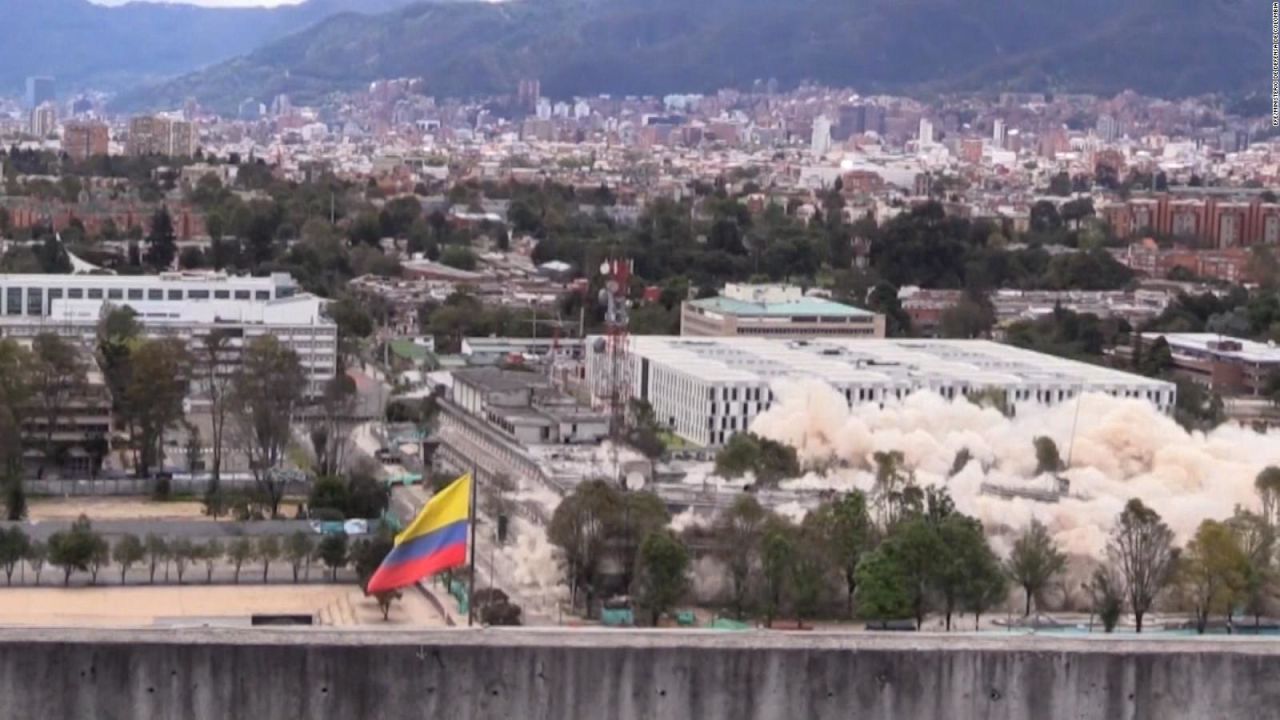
[(253, 393), (904, 552), (81, 549)]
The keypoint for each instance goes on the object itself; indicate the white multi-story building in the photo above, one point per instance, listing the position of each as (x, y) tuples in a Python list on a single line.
[(706, 389), (820, 142), (34, 295), (298, 322), (926, 132)]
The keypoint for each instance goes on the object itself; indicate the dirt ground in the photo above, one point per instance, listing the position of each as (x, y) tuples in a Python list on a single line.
[(112, 509), (339, 605)]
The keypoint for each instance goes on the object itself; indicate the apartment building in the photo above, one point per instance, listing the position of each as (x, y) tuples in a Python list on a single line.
[(82, 140)]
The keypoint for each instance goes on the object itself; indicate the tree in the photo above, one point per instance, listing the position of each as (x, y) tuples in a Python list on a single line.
[(1257, 540), (1047, 458), (660, 577), (333, 553), (970, 318), (882, 586), (1157, 359), (642, 513), (963, 556), (385, 598), (1212, 571), (459, 257), (1141, 546), (810, 572), (59, 377), (1034, 561), (36, 557), (916, 548), (266, 394), (367, 555), (15, 498), (892, 494), (99, 558), (580, 527), (162, 246), (129, 551), (268, 550), (738, 532), (1267, 485), (183, 553), (157, 552), (211, 554), (212, 371), (14, 547), (769, 460), (777, 553), (986, 585), (330, 429), (73, 550), (239, 552), (845, 529), (154, 398), (1106, 589)]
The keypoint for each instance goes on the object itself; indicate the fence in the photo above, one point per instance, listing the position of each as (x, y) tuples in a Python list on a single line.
[(178, 485)]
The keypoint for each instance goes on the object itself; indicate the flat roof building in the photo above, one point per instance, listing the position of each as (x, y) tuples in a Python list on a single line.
[(298, 322), (1229, 366), (775, 311), (706, 389), (34, 295)]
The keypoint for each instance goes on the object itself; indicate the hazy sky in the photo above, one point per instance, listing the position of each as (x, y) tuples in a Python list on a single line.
[(210, 3)]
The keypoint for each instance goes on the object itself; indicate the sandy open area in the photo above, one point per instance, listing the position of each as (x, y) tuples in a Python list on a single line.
[(112, 509), (340, 605)]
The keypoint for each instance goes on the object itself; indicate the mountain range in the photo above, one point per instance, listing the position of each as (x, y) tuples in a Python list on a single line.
[(1167, 48), (575, 47), (85, 45)]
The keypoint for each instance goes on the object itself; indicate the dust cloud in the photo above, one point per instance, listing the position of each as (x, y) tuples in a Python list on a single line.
[(1116, 449)]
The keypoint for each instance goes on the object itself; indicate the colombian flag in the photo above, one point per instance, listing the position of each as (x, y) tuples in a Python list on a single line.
[(436, 540)]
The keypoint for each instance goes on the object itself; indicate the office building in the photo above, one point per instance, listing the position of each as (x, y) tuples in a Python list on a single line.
[(998, 133), (34, 295), (1107, 128), (81, 140), (706, 389), (40, 90), (160, 136), (43, 120), (528, 92), (775, 311), (298, 322), (926, 132), (820, 142)]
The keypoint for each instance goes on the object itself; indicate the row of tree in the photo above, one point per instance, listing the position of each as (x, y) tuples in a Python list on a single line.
[(80, 549), (906, 552)]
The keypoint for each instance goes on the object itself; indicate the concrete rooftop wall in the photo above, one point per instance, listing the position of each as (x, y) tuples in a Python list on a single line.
[(546, 675)]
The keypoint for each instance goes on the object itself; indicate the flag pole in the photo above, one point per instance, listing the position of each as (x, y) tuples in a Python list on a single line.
[(471, 586)]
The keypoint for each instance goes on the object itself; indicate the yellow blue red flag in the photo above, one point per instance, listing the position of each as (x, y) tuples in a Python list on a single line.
[(436, 540)]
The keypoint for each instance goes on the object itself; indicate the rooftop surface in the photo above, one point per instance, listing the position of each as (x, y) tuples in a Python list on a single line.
[(1250, 351), (905, 362), (809, 307)]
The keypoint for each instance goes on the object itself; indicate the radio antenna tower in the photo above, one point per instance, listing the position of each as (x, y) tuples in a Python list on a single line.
[(613, 296)]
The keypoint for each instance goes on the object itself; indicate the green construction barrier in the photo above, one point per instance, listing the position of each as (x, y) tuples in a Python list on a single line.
[(727, 624), (617, 618)]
